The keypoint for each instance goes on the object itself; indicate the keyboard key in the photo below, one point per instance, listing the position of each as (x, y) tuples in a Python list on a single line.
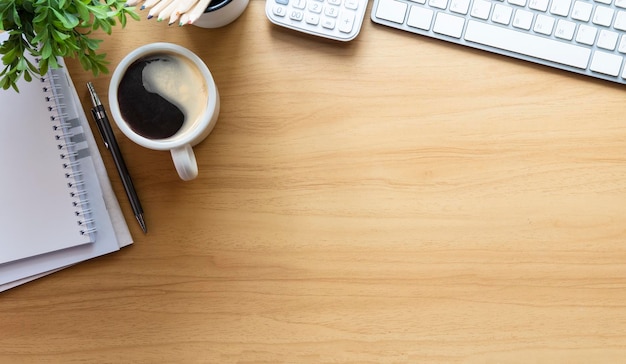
[(391, 10), (560, 7), (449, 25), (544, 24), (439, 4), (459, 6), (541, 5), (527, 44), (582, 11), (606, 63), (565, 29), (420, 18), (603, 16), (523, 19), (586, 34), (620, 21), (607, 39), (481, 9), (502, 14)]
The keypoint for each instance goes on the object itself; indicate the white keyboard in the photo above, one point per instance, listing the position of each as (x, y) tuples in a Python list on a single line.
[(586, 37)]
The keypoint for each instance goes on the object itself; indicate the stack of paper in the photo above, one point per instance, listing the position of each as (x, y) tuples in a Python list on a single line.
[(57, 206)]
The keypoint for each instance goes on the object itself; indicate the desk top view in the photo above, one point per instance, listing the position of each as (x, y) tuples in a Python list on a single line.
[(391, 199)]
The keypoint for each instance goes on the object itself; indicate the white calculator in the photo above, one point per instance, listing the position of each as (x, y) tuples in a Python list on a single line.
[(334, 19)]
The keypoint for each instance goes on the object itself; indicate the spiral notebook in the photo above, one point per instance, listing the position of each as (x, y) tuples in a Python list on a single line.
[(57, 207), (44, 205)]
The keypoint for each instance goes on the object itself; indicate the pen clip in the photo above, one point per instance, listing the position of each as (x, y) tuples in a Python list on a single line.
[(94, 112)]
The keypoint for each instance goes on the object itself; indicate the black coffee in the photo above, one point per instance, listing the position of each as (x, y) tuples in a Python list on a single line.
[(159, 94)]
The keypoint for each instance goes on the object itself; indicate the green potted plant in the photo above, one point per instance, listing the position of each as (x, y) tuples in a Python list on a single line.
[(48, 29)]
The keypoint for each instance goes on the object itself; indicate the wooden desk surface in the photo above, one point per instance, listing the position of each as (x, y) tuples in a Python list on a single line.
[(393, 199)]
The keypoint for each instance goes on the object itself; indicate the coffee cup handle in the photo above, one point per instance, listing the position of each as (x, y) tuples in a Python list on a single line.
[(185, 162)]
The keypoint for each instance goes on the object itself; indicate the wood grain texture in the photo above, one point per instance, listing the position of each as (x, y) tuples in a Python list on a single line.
[(395, 199)]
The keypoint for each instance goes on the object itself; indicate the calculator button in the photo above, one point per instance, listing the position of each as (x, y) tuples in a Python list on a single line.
[(346, 22), (351, 4), (296, 15), (279, 10), (315, 7), (328, 23), (331, 11), (299, 4), (312, 19)]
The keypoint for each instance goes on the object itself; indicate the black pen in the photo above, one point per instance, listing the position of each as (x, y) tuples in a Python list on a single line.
[(102, 121)]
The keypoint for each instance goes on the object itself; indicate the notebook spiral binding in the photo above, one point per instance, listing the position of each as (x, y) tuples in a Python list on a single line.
[(68, 152)]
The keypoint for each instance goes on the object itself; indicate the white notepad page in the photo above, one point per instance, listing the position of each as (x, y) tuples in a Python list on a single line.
[(37, 212)]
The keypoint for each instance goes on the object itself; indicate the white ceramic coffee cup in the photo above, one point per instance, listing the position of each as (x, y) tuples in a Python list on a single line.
[(221, 14), (193, 131)]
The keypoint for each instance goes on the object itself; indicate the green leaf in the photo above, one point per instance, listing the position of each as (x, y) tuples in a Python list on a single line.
[(59, 36), (72, 20), (32, 67), (46, 51), (43, 66), (21, 65), (41, 15), (9, 56), (83, 12), (40, 37), (106, 27), (97, 12), (15, 17), (53, 63), (134, 15), (122, 19), (103, 68), (93, 44), (72, 46), (69, 21)]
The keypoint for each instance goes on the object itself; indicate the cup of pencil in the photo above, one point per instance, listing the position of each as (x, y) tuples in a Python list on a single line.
[(201, 13)]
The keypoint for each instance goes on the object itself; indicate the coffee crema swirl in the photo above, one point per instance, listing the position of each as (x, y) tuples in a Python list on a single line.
[(160, 95)]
